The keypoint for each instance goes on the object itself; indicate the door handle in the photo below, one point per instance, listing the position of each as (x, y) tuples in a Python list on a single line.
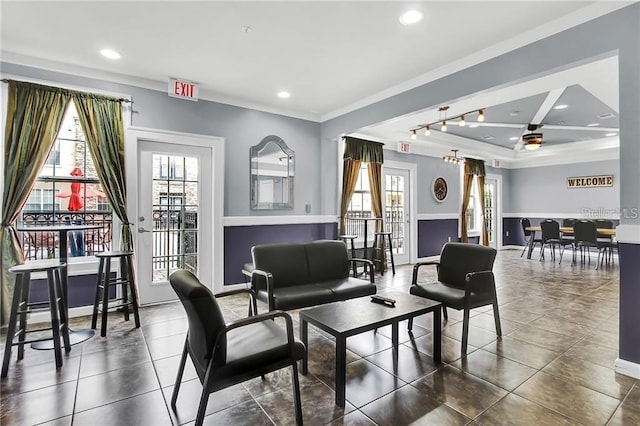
[(142, 230)]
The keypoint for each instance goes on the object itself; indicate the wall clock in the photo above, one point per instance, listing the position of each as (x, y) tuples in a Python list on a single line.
[(439, 189)]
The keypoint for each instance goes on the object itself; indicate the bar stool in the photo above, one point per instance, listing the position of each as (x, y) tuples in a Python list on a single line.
[(345, 238), (105, 282), (381, 245), (21, 307)]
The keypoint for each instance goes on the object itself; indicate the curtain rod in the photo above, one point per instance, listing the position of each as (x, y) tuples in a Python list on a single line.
[(125, 100)]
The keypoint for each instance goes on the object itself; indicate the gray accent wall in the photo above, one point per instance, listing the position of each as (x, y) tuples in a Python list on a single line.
[(544, 190), (240, 127), (429, 168)]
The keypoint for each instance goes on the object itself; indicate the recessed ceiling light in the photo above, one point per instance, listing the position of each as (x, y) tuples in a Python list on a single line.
[(474, 125), (593, 124), (109, 53), (488, 137), (605, 115), (611, 134), (561, 106), (410, 17), (514, 113), (284, 94), (514, 138)]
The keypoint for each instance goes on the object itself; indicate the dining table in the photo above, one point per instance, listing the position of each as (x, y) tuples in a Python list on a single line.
[(63, 229), (565, 230)]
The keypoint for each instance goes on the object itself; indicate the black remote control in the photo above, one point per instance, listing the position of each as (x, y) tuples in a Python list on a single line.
[(376, 298)]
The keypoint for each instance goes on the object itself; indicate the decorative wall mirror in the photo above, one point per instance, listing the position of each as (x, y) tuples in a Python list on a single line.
[(272, 165)]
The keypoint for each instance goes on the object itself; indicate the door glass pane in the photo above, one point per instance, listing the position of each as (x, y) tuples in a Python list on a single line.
[(488, 209), (395, 214), (175, 215)]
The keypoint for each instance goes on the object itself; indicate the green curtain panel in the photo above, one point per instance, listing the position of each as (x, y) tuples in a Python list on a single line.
[(475, 167), (350, 171), (363, 150), (375, 183), (101, 120), (34, 117)]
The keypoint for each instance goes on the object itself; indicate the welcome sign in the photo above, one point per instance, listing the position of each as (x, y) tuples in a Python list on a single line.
[(589, 181)]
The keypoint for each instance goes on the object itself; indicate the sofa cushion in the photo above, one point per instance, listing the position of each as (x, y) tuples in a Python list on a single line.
[(327, 260), (348, 288), (287, 263), (299, 296), (448, 295)]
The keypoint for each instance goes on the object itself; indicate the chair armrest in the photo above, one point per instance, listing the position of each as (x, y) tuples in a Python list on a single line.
[(480, 282), (260, 318), (232, 292), (418, 265), (268, 277), (368, 264)]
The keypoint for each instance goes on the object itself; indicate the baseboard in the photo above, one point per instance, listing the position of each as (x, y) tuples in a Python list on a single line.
[(512, 247), (627, 368)]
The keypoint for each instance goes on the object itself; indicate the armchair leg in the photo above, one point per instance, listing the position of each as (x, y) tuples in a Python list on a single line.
[(176, 387), (496, 318), (444, 312), (204, 398), (295, 383), (465, 331), (410, 327)]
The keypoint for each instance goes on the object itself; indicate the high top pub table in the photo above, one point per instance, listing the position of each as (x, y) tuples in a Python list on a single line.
[(75, 336)]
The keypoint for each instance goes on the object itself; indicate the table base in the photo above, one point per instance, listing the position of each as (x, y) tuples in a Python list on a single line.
[(75, 337)]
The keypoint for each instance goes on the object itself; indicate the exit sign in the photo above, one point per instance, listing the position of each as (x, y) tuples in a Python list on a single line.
[(183, 89), (404, 147)]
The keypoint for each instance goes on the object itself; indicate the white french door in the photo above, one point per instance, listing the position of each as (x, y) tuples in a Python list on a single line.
[(492, 210), (174, 221), (396, 207)]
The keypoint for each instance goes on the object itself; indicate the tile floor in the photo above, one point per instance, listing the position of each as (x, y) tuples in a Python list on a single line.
[(554, 365)]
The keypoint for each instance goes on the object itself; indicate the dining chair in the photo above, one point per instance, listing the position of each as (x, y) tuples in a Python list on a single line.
[(226, 354), (608, 242), (586, 235), (525, 223), (465, 281), (551, 237)]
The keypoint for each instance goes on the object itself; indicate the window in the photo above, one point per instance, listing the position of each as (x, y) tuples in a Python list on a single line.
[(67, 191), (360, 204), (171, 167), (42, 199), (473, 208)]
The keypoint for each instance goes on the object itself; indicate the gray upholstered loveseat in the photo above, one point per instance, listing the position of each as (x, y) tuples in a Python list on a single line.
[(295, 275)]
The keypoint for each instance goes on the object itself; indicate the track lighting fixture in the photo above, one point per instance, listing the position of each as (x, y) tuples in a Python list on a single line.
[(443, 121), (453, 159)]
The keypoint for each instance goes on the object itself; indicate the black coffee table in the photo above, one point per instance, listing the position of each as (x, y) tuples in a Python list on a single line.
[(355, 316)]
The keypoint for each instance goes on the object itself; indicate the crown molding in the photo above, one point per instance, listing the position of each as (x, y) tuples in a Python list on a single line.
[(144, 83)]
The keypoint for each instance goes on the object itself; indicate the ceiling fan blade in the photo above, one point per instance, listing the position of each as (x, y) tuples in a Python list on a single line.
[(505, 125), (580, 128)]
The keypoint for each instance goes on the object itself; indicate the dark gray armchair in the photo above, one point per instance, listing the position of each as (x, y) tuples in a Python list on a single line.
[(227, 354), (465, 281)]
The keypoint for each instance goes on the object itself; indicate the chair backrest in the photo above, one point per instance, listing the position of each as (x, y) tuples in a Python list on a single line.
[(550, 230), (568, 223), (585, 231), (458, 259), (205, 320), (604, 223), (327, 260), (525, 224), (287, 262)]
